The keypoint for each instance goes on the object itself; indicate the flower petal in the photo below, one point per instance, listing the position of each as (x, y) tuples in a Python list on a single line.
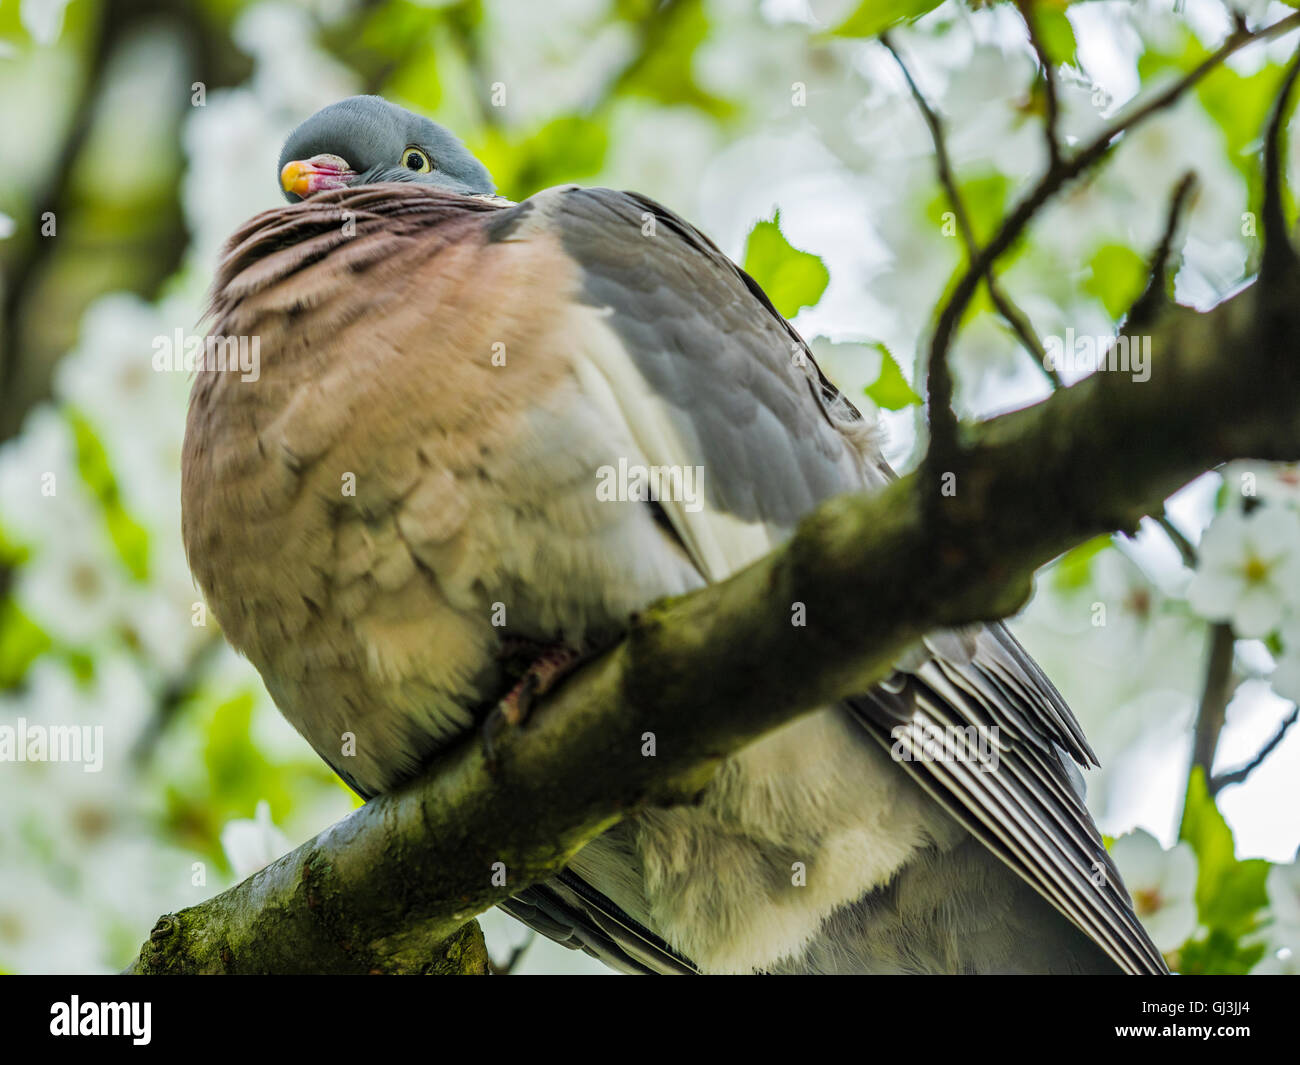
[(1258, 611), (1214, 594)]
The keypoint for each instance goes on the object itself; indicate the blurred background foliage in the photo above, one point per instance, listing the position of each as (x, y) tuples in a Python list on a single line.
[(139, 133)]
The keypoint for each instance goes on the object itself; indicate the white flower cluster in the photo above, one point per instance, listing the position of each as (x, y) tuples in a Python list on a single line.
[(1282, 934), (100, 590), (1162, 884), (1248, 565)]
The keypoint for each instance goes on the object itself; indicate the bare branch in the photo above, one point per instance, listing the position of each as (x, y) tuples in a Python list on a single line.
[(938, 376), (1215, 696), (1238, 776), (1279, 255), (1052, 119), (1185, 547), (516, 956), (1144, 308), (1011, 314)]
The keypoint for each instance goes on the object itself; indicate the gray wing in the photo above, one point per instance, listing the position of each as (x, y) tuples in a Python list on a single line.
[(707, 342), (574, 914), (1015, 787)]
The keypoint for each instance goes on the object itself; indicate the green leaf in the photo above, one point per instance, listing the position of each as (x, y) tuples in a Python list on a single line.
[(1118, 276), (417, 83), (238, 775), (129, 537), (1228, 892), (1074, 569), (891, 390), (408, 46), (232, 757), (986, 197), (1240, 106), (1218, 954), (219, 770), (565, 149), (1056, 34), (792, 279), (873, 17), (665, 72), (22, 641), (12, 553)]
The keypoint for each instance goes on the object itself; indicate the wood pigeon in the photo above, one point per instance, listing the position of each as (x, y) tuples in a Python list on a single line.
[(411, 492)]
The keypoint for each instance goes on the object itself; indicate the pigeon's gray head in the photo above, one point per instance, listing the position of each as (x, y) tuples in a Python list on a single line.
[(365, 139)]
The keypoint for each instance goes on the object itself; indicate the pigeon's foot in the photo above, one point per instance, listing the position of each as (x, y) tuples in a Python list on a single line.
[(552, 665)]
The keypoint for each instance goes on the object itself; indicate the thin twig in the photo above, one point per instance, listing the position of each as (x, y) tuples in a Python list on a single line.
[(1175, 534), (516, 956), (1215, 695), (1279, 256), (1011, 314), (1024, 330), (942, 417), (1145, 306), (1053, 116), (1238, 776), (28, 266)]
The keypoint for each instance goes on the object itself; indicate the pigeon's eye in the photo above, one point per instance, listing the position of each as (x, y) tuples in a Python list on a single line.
[(416, 160)]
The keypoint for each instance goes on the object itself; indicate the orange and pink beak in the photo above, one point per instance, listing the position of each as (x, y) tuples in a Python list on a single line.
[(303, 177)]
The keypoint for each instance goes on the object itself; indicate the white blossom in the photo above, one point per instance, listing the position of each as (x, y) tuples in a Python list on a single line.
[(1286, 677), (253, 844), (1247, 572), (1283, 933), (1162, 884), (1132, 601), (1269, 482)]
